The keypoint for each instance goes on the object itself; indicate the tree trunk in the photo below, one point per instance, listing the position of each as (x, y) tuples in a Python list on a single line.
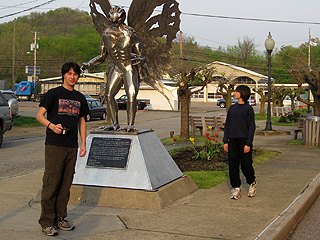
[(316, 106), (262, 105), (293, 107), (184, 107)]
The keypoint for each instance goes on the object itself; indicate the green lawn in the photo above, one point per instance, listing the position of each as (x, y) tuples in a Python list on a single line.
[(26, 122), (274, 120), (210, 179)]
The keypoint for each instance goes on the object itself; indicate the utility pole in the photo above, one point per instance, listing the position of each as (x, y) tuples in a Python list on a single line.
[(181, 52), (34, 47), (13, 52)]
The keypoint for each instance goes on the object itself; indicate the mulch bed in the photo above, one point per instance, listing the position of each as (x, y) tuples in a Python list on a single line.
[(186, 161)]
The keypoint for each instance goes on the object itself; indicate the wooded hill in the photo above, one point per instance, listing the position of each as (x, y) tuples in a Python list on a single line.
[(65, 34)]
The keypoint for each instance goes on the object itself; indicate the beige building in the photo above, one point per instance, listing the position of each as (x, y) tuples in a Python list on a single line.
[(234, 74)]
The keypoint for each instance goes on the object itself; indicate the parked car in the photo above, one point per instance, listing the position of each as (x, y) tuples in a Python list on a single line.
[(222, 103), (122, 103), (5, 118), (86, 95), (12, 102), (96, 109)]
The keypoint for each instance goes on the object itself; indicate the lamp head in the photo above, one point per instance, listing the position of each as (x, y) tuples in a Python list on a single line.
[(269, 43)]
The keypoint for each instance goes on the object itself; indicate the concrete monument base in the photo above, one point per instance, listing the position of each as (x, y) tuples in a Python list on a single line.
[(130, 170), (131, 198)]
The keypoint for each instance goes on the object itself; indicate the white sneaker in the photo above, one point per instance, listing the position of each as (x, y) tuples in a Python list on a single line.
[(235, 193), (252, 189)]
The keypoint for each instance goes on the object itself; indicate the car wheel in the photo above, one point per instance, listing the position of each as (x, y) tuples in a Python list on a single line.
[(1, 136), (103, 117), (222, 105), (88, 118)]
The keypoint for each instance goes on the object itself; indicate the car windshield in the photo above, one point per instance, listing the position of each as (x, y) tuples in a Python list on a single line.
[(7, 96)]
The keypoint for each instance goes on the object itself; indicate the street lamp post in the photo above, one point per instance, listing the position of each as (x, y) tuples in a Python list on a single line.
[(269, 44)]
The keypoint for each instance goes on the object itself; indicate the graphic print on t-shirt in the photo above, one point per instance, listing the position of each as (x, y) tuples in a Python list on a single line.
[(69, 107)]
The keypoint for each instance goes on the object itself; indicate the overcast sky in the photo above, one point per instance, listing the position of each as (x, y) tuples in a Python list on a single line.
[(213, 31)]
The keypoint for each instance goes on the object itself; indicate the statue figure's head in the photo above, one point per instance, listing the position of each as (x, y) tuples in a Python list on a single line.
[(117, 15)]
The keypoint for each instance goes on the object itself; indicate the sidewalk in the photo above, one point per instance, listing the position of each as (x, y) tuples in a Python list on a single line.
[(286, 187)]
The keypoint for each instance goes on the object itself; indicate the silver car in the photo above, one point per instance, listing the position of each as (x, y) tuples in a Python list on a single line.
[(12, 102), (5, 118)]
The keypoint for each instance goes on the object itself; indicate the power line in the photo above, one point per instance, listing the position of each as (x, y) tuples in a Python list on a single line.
[(250, 19), (11, 14), (17, 5)]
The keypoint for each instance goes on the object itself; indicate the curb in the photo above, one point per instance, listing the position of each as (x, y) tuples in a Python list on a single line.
[(281, 227)]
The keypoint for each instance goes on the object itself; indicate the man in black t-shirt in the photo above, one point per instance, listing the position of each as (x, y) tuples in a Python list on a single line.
[(66, 109)]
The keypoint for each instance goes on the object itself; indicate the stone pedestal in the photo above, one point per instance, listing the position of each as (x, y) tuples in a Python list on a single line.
[(141, 175)]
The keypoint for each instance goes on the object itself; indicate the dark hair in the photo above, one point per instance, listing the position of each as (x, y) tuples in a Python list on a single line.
[(244, 91), (67, 66)]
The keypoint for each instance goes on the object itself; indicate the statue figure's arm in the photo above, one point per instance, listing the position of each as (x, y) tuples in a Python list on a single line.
[(138, 54), (103, 53)]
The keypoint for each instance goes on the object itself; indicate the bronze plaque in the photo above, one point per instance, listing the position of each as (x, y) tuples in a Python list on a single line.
[(109, 152)]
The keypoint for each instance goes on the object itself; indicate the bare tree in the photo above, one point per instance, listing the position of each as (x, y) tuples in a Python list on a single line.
[(226, 88), (187, 79), (263, 99), (280, 93), (246, 48), (303, 73)]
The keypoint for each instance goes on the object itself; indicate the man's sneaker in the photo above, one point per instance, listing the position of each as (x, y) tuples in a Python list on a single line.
[(235, 193), (64, 224), (252, 189), (49, 231)]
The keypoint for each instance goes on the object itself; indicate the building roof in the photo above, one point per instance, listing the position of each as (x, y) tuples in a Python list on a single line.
[(236, 71)]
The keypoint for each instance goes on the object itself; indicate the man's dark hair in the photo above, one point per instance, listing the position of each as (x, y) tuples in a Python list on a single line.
[(244, 91), (67, 66)]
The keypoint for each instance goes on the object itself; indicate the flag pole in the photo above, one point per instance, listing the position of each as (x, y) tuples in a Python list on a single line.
[(309, 64), (309, 55)]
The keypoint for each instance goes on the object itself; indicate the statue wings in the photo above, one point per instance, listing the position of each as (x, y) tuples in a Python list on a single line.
[(156, 22)]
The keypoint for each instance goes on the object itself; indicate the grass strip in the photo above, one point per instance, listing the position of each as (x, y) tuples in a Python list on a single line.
[(26, 122)]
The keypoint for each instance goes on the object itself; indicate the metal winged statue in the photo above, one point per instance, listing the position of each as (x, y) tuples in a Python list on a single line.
[(139, 51)]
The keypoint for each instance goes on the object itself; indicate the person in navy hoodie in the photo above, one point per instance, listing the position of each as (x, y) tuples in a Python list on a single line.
[(238, 136)]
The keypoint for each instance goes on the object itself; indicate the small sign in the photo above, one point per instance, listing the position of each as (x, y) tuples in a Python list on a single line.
[(109, 152), (29, 70)]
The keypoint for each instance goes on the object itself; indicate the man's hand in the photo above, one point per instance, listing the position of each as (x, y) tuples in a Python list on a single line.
[(83, 151), (246, 149), (225, 147), (56, 128)]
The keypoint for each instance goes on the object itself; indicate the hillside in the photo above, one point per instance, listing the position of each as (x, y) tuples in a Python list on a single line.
[(63, 35)]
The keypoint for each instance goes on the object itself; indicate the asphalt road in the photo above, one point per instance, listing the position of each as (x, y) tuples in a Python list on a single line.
[(308, 227)]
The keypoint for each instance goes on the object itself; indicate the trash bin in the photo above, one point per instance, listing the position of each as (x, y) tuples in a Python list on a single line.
[(311, 131)]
